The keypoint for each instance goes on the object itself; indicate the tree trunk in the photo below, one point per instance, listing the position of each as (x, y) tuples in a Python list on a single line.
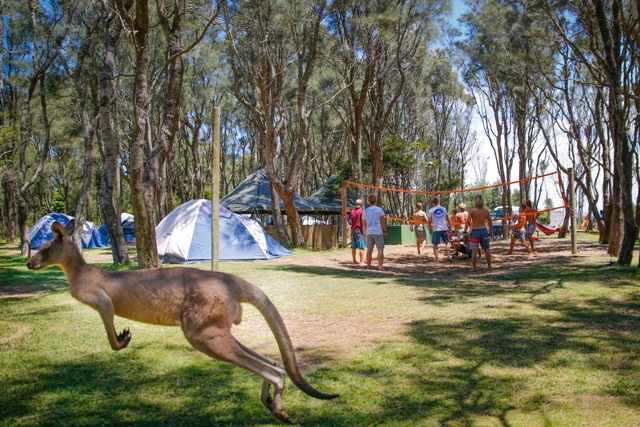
[(278, 221), (9, 190), (141, 200), (108, 196)]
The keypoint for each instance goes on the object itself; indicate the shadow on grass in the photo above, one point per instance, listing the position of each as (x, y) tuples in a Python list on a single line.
[(101, 392)]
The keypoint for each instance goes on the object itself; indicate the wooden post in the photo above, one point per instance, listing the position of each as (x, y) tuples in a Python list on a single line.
[(572, 202), (215, 192), (343, 223)]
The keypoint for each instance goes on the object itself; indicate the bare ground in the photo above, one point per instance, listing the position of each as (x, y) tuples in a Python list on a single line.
[(403, 260)]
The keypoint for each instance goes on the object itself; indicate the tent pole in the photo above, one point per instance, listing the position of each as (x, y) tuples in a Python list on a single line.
[(215, 192)]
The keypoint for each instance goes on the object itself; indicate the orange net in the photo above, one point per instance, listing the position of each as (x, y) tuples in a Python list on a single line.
[(537, 212)]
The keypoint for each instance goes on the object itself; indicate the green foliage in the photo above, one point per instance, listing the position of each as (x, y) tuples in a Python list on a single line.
[(58, 202)]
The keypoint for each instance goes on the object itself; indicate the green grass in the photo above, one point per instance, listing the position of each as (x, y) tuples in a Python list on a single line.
[(552, 345)]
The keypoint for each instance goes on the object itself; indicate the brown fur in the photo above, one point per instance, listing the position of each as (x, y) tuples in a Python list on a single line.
[(204, 304)]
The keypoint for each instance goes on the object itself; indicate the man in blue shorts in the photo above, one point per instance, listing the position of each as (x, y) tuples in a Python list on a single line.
[(478, 218), (439, 226), (357, 236)]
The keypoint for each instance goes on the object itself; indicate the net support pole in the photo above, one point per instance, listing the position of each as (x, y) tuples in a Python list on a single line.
[(574, 222), (343, 222), (215, 192)]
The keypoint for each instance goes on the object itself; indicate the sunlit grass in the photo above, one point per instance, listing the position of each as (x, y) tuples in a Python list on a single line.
[(552, 345)]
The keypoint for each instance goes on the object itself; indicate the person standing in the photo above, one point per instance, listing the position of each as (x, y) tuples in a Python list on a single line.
[(419, 219), (439, 225), (519, 231), (532, 216), (357, 236), (462, 215), (375, 228), (479, 216)]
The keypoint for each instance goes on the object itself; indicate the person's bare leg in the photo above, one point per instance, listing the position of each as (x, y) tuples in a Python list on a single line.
[(418, 244), (369, 252), (513, 243), (353, 255), (446, 245), (530, 237), (435, 252), (487, 254), (361, 256), (380, 259), (523, 244), (474, 258)]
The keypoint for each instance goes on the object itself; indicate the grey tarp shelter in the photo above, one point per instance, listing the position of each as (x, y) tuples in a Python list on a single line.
[(253, 195), (329, 195)]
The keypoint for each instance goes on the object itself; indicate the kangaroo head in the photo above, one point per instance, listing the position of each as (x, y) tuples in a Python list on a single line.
[(56, 250)]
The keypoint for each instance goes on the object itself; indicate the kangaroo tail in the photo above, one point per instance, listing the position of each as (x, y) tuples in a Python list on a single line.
[(254, 296)]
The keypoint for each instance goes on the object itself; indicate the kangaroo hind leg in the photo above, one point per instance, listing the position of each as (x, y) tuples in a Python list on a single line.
[(221, 345), (265, 397)]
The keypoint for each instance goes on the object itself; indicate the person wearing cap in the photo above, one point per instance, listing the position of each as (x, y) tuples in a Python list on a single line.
[(357, 236), (439, 225), (419, 220)]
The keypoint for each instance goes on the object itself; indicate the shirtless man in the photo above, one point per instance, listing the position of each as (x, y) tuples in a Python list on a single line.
[(419, 219), (531, 222), (462, 215), (478, 217)]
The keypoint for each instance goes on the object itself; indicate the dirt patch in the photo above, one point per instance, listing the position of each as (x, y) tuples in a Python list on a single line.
[(403, 260)]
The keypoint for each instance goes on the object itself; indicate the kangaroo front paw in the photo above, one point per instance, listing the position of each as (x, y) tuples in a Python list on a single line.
[(124, 338)]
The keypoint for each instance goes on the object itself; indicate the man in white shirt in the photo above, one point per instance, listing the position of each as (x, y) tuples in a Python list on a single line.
[(439, 225), (375, 230)]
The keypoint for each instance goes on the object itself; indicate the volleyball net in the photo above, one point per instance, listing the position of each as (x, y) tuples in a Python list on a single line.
[(400, 203)]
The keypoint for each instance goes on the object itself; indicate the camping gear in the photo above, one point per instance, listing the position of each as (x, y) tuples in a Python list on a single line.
[(184, 236), (41, 233)]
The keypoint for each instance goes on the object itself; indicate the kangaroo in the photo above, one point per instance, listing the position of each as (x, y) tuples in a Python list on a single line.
[(204, 304)]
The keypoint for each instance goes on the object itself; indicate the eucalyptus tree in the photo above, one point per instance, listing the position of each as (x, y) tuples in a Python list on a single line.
[(108, 201), (571, 107), (483, 55), (603, 36), (45, 35), (76, 59), (403, 28), (272, 43), (503, 39), (149, 149)]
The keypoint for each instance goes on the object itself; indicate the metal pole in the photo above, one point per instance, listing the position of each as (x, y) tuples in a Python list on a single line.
[(215, 192), (574, 222)]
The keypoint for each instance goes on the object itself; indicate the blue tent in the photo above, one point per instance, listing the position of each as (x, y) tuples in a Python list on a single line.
[(127, 228), (185, 236), (41, 233)]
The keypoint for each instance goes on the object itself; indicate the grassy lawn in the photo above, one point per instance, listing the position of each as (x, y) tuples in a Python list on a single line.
[(546, 345)]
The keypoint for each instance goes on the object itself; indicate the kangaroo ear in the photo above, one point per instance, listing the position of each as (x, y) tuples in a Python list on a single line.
[(70, 227), (58, 231)]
